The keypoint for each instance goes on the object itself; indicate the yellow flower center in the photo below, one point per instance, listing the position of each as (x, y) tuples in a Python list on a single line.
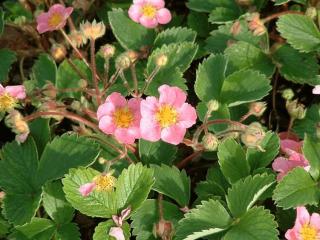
[(308, 233), (55, 19), (123, 117), (104, 183), (7, 102), (166, 116), (149, 11)]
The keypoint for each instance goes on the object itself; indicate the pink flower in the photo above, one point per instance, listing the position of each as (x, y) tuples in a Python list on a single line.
[(149, 13), (306, 227), (117, 233), (168, 117), (316, 89), (54, 19), (120, 117), (293, 159), (87, 188), (9, 96)]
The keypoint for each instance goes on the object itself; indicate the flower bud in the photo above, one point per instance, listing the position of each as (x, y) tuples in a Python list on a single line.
[(18, 125), (210, 142), (58, 52), (162, 60), (288, 94), (256, 25), (77, 38), (123, 61), (312, 12), (296, 110), (257, 108), (107, 51), (213, 105), (82, 83), (93, 30), (163, 229), (253, 135), (133, 55), (50, 90)]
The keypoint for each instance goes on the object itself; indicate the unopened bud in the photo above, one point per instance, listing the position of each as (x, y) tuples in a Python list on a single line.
[(257, 108), (102, 161), (235, 28), (288, 94), (18, 125), (107, 51), (163, 229), (123, 61), (82, 83), (210, 142), (162, 60), (253, 135), (213, 105), (256, 25), (133, 55), (312, 12), (50, 90), (58, 52), (296, 110)]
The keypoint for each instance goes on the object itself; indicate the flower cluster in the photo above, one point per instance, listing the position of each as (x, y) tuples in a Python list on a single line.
[(165, 118)]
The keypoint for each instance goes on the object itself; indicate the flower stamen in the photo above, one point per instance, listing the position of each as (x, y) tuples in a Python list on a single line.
[(7, 102), (149, 11), (123, 117), (55, 19), (104, 183), (166, 116)]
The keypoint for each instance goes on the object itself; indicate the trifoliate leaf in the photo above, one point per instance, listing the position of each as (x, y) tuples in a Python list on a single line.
[(257, 223), (297, 188), (65, 152), (44, 70), (246, 192), (7, 58), (133, 186), (175, 35), (97, 204), (130, 35), (311, 150), (233, 163), (300, 31), (204, 220), (143, 220), (172, 183)]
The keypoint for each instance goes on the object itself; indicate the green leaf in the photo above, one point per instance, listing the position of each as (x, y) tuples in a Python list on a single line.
[(311, 150), (300, 31), (280, 2), (199, 23), (224, 14), (97, 204), (130, 35), (204, 220), (67, 77), (257, 223), (233, 163), (69, 231), (2, 21), (202, 5), (172, 183), (244, 86), (101, 232), (243, 55), (179, 57), (175, 35), (4, 227), (7, 58), (55, 203), (309, 124), (258, 159), (157, 152), (37, 229), (289, 62), (143, 220), (18, 169), (210, 77), (40, 131), (44, 70), (246, 192), (65, 152), (297, 188), (133, 186)]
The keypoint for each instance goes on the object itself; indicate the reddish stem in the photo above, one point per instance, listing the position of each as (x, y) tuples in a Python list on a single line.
[(276, 15)]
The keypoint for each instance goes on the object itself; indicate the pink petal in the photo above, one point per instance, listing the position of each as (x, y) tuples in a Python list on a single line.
[(157, 3), (150, 130), (315, 221), (105, 109), (135, 12), (171, 95), (18, 91), (164, 16), (117, 233), (290, 144), (43, 27), (117, 100), (148, 22), (187, 115), (316, 89), (173, 134), (21, 138), (288, 135), (134, 106), (149, 107), (56, 8), (124, 135), (303, 216), (2, 89), (125, 213), (68, 12), (291, 235), (139, 1), (106, 125), (86, 189)]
